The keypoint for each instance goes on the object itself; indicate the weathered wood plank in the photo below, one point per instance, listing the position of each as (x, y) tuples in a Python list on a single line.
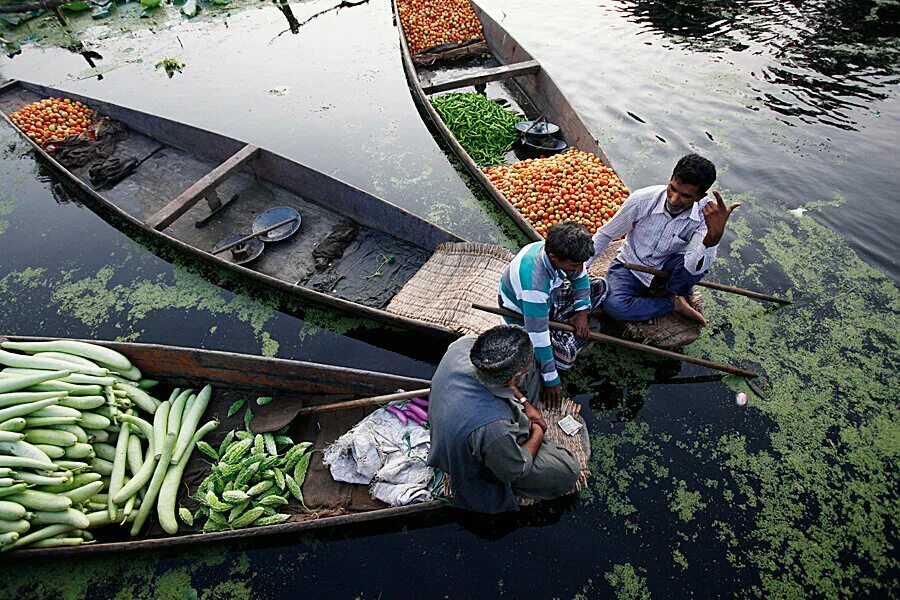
[(183, 203), (484, 76)]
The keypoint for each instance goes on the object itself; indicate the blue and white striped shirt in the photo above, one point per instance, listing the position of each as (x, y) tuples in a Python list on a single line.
[(654, 235), (527, 287)]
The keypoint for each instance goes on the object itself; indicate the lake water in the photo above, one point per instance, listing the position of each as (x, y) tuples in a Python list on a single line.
[(797, 104)]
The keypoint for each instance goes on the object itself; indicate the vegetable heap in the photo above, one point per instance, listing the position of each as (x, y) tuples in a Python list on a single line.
[(573, 186), (75, 454), (250, 480), (429, 23), (485, 129), (416, 410), (53, 119)]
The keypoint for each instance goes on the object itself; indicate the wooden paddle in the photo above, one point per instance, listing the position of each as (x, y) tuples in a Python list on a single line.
[(276, 420), (608, 339), (711, 284), (247, 238)]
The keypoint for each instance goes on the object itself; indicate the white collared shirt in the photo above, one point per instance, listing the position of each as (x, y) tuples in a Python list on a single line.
[(654, 235)]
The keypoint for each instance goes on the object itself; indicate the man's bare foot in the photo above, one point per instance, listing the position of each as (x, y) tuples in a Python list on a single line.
[(687, 311)]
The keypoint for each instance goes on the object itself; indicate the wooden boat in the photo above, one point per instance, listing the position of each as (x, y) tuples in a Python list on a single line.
[(236, 376), (508, 72), (176, 192), (499, 67)]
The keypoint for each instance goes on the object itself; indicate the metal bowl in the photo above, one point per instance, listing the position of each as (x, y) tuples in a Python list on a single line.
[(551, 145), (242, 253), (543, 128), (274, 216)]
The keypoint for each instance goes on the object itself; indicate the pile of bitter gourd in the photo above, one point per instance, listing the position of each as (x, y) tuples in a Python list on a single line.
[(250, 480)]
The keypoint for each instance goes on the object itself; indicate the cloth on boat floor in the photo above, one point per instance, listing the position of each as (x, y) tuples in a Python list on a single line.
[(383, 452), (373, 268), (109, 171), (73, 152), (334, 245), (104, 169)]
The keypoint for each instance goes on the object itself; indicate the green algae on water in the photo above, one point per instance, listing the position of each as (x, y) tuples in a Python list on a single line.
[(627, 582), (825, 490)]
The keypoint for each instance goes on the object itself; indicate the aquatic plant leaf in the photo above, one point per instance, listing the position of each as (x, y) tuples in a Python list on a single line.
[(190, 8)]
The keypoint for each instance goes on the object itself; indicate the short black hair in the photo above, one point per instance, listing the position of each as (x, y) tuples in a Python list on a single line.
[(569, 241), (693, 169), (501, 353)]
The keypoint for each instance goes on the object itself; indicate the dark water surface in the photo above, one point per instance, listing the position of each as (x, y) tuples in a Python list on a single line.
[(794, 495)]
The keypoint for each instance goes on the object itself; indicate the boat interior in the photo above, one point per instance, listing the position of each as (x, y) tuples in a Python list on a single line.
[(204, 205)]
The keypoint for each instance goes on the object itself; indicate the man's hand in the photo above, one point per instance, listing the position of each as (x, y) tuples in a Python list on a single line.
[(551, 396), (580, 321), (716, 215), (535, 416), (535, 439)]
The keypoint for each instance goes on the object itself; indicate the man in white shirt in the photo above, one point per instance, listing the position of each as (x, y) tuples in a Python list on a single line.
[(671, 227)]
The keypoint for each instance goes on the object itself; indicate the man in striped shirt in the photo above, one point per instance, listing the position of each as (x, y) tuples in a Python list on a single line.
[(669, 227), (547, 281)]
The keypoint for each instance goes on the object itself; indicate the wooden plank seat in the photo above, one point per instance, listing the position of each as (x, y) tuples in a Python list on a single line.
[(205, 188), (482, 76)]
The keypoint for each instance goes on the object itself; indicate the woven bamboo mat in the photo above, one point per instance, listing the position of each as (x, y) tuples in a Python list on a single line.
[(579, 445), (444, 289), (668, 331)]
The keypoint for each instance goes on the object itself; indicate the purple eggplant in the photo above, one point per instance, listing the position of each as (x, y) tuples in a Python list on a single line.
[(416, 410), (401, 416), (421, 403), (415, 418)]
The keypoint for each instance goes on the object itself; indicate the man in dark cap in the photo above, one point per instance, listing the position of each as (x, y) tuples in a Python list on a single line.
[(485, 433)]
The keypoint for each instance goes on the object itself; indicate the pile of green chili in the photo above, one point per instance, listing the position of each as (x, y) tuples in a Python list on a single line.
[(485, 129)]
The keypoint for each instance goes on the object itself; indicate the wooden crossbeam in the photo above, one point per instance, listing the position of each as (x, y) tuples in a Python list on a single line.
[(183, 203), (528, 67)]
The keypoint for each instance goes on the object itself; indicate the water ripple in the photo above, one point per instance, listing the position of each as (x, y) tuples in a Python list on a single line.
[(825, 58)]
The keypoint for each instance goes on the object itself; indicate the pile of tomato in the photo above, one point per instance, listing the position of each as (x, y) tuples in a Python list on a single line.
[(573, 186), (53, 118), (428, 23)]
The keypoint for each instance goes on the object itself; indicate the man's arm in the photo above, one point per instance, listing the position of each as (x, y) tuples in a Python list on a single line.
[(581, 295), (536, 314), (699, 257), (495, 445), (705, 242)]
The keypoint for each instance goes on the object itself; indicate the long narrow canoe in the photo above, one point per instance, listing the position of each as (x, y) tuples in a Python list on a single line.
[(511, 73), (187, 175), (234, 376)]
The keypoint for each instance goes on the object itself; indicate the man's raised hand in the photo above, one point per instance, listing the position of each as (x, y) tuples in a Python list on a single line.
[(716, 215)]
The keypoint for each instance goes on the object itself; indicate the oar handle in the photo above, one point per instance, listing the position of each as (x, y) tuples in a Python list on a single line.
[(361, 402), (602, 337), (253, 235), (711, 284)]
